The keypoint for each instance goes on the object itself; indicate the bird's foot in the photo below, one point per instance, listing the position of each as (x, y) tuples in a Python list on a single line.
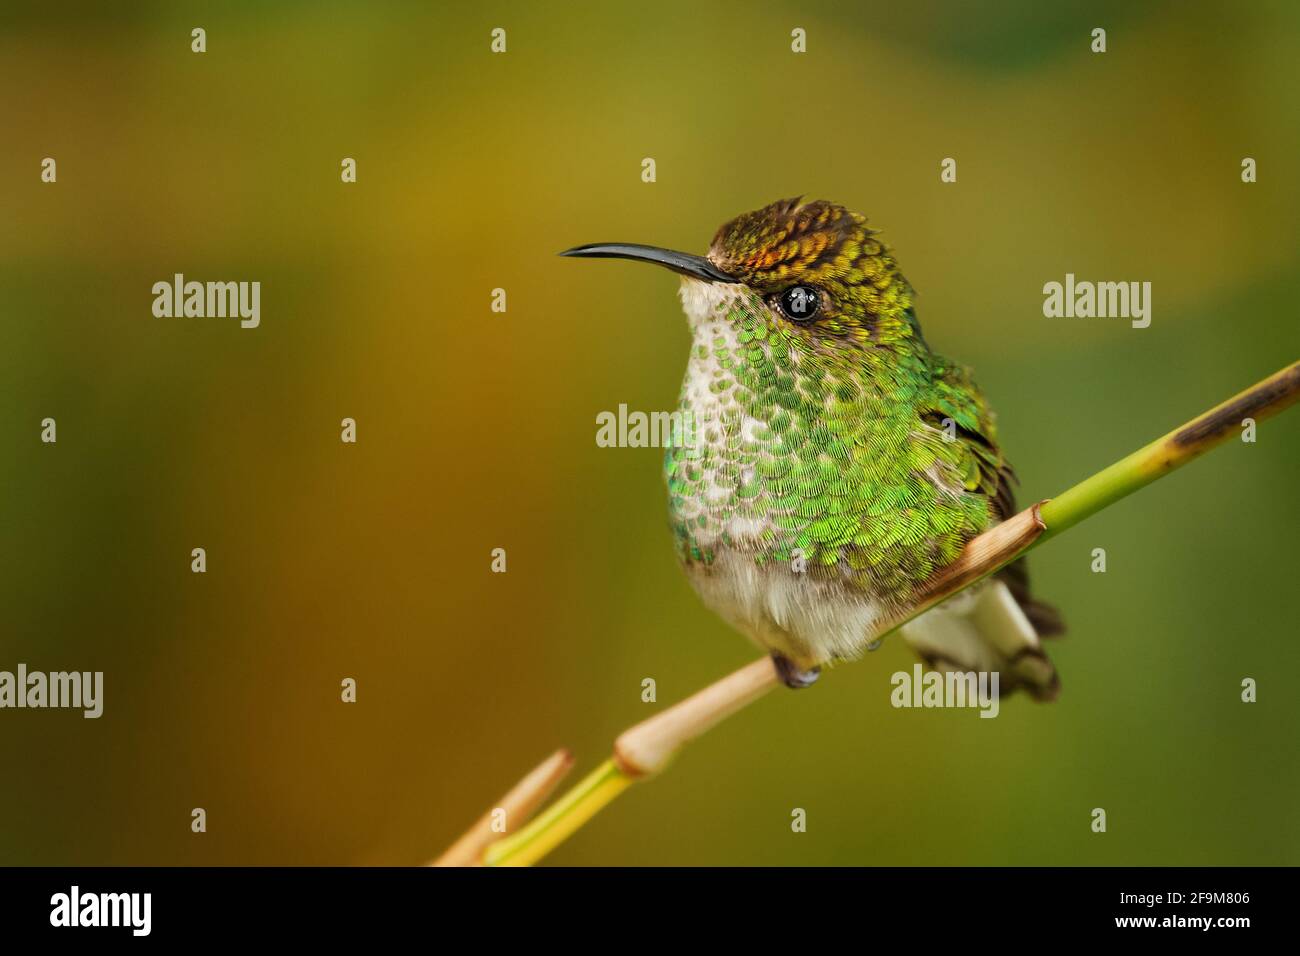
[(791, 676)]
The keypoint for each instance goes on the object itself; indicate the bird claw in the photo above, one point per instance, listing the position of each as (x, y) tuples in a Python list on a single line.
[(791, 676)]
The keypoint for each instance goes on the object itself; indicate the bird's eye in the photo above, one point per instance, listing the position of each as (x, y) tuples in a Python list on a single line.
[(800, 303)]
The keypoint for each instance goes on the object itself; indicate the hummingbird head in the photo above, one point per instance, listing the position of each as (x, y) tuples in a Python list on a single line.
[(813, 270)]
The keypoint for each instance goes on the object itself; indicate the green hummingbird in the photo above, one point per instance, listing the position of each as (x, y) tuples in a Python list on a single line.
[(838, 464)]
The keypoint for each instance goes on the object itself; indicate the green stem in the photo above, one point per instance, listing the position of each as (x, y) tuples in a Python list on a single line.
[(1171, 451), (559, 820)]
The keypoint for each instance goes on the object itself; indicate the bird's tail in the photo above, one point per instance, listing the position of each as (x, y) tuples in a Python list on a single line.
[(995, 626)]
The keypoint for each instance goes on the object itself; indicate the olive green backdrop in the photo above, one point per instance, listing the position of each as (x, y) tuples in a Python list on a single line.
[(476, 430)]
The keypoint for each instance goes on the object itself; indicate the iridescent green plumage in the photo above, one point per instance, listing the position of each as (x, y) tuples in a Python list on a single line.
[(843, 442), (852, 406), (846, 458), (838, 463)]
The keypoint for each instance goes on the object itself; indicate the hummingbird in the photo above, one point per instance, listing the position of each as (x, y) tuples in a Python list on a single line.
[(838, 463)]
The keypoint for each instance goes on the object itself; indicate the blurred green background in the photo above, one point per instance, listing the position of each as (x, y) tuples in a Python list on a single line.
[(476, 430)]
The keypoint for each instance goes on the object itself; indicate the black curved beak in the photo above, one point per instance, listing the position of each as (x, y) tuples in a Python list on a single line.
[(697, 267)]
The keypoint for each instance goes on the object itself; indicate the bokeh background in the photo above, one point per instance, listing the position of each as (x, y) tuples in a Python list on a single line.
[(476, 430)]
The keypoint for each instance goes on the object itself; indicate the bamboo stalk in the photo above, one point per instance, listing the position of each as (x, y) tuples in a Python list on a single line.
[(567, 814), (646, 748), (519, 805), (1262, 400)]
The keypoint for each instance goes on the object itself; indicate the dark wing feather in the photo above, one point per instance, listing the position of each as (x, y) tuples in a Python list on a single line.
[(959, 399)]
